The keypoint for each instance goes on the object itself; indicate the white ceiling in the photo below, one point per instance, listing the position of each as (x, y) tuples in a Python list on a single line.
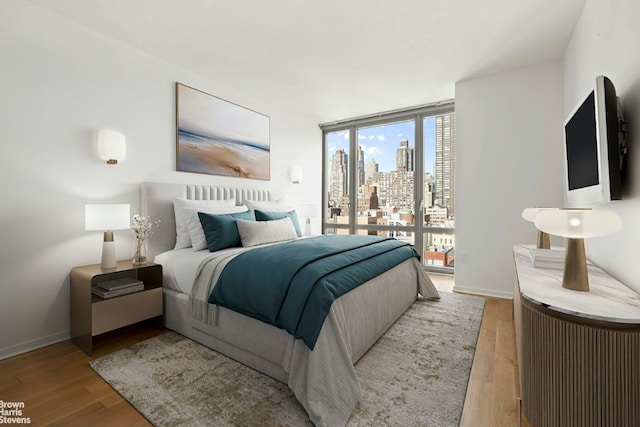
[(336, 59)]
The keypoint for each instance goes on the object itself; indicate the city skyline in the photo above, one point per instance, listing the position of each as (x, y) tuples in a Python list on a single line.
[(383, 166), (380, 142)]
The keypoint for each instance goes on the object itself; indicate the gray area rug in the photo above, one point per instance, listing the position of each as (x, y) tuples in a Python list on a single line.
[(415, 375)]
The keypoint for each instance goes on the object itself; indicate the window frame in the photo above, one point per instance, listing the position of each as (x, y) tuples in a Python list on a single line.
[(417, 114)]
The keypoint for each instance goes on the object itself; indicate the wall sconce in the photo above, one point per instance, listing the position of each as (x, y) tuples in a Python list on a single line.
[(543, 238), (107, 218), (576, 225), (111, 146), (296, 174)]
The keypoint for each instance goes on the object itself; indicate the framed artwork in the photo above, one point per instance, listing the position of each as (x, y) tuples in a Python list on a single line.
[(218, 137)]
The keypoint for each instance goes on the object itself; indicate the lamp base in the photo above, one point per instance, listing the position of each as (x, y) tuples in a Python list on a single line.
[(575, 266), (543, 240), (108, 255)]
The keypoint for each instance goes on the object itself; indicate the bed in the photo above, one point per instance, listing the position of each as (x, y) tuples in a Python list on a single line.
[(323, 379)]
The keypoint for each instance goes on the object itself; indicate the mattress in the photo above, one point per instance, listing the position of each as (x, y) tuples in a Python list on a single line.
[(179, 268)]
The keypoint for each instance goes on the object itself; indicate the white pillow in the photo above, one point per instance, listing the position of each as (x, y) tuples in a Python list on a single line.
[(253, 233), (183, 240), (196, 233), (267, 205)]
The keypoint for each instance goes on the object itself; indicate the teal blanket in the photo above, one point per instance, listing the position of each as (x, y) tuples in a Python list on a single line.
[(292, 285)]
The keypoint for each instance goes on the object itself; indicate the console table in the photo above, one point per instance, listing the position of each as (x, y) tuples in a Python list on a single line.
[(578, 352)]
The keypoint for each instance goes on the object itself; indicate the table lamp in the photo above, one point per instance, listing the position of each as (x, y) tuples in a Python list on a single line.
[(576, 225), (307, 212), (543, 238), (107, 217)]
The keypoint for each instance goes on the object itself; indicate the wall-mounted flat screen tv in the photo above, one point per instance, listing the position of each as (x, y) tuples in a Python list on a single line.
[(592, 148)]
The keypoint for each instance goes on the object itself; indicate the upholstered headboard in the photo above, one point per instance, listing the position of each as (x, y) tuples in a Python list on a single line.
[(157, 202)]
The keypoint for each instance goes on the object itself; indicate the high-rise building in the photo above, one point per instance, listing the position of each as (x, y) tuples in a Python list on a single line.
[(373, 200), (444, 191), (338, 178), (395, 191), (367, 200), (370, 171), (361, 180), (404, 157), (427, 197)]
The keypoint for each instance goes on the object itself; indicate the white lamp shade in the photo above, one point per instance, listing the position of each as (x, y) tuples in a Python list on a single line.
[(105, 217), (308, 211), (111, 146), (296, 174), (577, 223), (530, 213)]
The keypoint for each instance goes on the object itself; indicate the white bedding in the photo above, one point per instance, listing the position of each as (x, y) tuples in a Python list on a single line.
[(179, 268)]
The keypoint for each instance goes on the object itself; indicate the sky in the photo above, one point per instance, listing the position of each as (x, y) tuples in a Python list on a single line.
[(205, 115), (381, 142)]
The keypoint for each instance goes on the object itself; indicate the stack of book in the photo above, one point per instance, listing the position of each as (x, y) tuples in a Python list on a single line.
[(547, 258), (117, 287)]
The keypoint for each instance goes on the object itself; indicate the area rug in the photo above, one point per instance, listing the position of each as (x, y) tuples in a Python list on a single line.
[(415, 375)]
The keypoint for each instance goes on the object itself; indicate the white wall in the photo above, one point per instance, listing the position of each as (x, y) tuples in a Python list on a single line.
[(606, 42), (508, 157), (60, 83)]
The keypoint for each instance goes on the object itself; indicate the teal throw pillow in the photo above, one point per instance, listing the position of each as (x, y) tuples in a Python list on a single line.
[(221, 230)]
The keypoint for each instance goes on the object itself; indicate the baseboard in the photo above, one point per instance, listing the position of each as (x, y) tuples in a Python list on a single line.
[(24, 347), (483, 292)]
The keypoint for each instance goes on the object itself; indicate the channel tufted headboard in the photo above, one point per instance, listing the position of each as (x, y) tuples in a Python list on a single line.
[(157, 202)]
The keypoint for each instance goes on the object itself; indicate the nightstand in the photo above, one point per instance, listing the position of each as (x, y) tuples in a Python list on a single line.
[(92, 315)]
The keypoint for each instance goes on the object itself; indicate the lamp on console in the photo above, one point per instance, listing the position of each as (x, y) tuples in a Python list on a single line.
[(107, 218), (543, 238), (576, 225)]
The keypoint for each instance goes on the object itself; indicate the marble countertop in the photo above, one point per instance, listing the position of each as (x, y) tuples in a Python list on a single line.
[(607, 299)]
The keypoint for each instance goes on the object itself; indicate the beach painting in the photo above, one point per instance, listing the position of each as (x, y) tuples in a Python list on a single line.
[(218, 137)]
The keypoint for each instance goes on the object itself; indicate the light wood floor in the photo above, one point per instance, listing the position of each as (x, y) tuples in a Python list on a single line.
[(493, 392), (60, 389)]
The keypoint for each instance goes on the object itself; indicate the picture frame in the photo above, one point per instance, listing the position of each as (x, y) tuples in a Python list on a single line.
[(218, 137)]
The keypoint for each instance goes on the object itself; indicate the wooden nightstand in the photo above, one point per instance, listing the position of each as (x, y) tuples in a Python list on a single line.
[(92, 315)]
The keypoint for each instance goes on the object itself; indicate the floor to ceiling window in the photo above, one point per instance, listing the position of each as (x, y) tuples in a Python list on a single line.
[(392, 174)]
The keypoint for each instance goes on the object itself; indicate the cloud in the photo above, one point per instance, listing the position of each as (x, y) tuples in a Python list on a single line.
[(372, 151), (381, 138)]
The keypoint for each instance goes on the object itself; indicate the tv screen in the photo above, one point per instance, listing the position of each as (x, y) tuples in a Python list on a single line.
[(592, 148), (582, 146)]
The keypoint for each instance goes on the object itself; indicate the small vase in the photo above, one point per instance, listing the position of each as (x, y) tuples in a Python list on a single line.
[(139, 253)]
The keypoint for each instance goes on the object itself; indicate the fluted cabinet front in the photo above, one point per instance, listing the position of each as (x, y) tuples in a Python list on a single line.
[(578, 351), (578, 372)]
